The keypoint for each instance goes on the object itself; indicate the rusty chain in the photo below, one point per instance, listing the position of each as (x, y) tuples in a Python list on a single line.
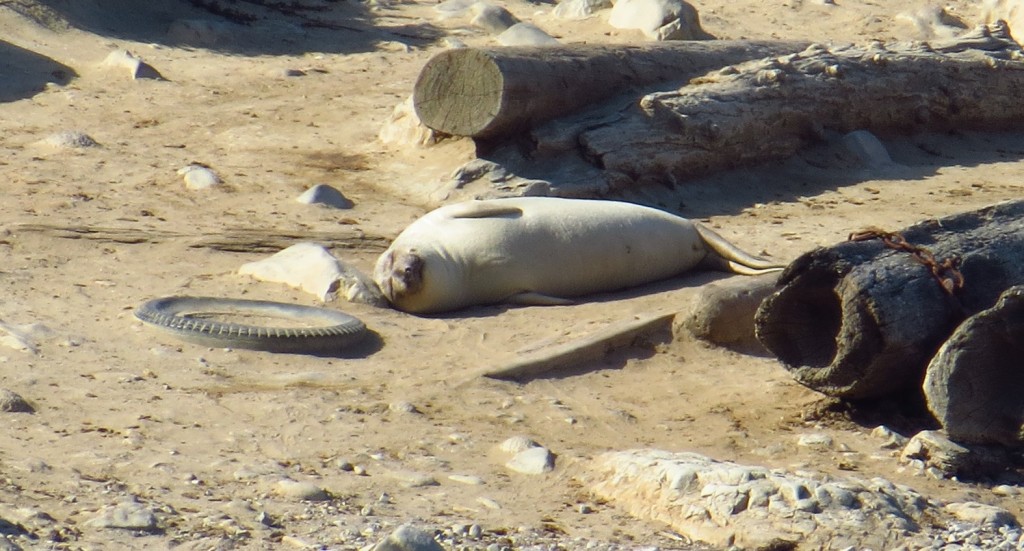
[(945, 272)]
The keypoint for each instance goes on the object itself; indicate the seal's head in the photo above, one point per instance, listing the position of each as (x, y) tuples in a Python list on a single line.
[(399, 275)]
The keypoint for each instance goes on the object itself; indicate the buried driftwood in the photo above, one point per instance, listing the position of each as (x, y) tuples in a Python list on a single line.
[(864, 317), (973, 384), (583, 349), (484, 93), (224, 239)]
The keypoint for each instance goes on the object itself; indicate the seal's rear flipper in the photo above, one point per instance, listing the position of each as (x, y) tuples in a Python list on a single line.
[(530, 298), (724, 256)]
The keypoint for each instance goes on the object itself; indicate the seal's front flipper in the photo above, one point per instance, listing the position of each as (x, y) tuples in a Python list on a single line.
[(479, 209), (530, 298)]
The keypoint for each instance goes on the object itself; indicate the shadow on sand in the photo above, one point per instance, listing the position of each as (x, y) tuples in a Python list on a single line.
[(244, 27), (26, 73)]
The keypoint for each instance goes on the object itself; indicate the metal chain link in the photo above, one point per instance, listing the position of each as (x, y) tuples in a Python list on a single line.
[(945, 271)]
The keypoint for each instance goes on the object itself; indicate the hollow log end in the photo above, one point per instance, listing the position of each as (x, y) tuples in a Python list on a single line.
[(460, 92)]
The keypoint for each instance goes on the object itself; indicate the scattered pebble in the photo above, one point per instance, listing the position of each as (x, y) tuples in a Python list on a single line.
[(411, 479), (303, 491), (466, 479), (517, 444), (819, 440), (135, 67), (12, 402), (323, 194), (409, 538), (199, 177), (69, 139), (532, 461), (128, 515)]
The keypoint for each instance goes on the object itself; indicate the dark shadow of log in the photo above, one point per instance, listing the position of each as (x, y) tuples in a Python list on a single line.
[(975, 382), (860, 319)]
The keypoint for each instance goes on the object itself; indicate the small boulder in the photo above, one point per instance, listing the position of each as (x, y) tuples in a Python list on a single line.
[(323, 194), (135, 66), (659, 19), (408, 538), (723, 312), (526, 34), (491, 18)]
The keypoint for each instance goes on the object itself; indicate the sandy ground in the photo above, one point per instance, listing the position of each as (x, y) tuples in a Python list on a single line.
[(199, 435)]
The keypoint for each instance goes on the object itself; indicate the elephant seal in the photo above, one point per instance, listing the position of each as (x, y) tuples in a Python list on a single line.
[(541, 250)]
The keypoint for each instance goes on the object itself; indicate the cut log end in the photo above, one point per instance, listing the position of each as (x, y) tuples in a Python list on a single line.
[(974, 383), (459, 92)]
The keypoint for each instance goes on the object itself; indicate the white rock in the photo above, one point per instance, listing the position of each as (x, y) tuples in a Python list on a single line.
[(525, 34), (576, 10), (136, 68), (532, 461), (323, 194), (303, 491), (128, 515), (517, 444), (453, 8), (466, 479), (815, 441), (12, 402), (491, 18), (69, 139), (658, 19), (868, 149), (979, 513), (408, 538), (199, 177), (404, 127)]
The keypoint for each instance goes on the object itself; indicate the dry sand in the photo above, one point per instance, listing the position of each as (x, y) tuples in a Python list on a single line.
[(199, 435)]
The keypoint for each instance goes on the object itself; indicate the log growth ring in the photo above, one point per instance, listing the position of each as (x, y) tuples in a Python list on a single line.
[(460, 92)]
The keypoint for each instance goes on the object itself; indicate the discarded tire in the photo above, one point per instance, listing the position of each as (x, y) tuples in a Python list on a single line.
[(189, 318)]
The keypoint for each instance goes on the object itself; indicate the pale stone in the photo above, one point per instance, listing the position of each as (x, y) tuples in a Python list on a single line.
[(979, 513), (491, 18), (532, 461), (526, 34), (404, 127), (517, 444), (723, 313), (408, 538), (577, 10), (323, 194), (868, 149), (198, 177), (133, 65), (69, 139), (303, 491), (658, 19)]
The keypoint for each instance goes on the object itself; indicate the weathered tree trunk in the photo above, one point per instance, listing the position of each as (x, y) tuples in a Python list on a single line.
[(772, 108), (975, 382), (860, 319), (487, 93)]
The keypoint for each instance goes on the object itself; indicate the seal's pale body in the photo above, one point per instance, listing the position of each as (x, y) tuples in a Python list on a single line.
[(541, 250)]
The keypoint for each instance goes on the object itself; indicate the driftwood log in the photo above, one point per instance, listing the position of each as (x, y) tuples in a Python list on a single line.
[(485, 93), (975, 382), (772, 108), (861, 319)]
